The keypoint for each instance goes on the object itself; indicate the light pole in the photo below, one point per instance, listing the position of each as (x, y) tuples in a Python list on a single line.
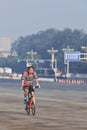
[(28, 60), (83, 56), (84, 48), (52, 52), (55, 64), (67, 49), (32, 54)]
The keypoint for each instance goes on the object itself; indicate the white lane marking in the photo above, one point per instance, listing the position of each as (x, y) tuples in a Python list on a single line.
[(64, 101), (7, 94), (46, 99)]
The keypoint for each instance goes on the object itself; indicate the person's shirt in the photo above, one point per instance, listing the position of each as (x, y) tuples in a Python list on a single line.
[(28, 78)]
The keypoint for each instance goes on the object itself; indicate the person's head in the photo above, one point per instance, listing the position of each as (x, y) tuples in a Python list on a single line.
[(31, 70)]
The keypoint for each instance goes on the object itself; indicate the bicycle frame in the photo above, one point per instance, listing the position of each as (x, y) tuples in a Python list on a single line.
[(30, 100), (30, 104)]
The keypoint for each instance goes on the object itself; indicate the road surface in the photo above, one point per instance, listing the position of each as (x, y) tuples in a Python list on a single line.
[(56, 109)]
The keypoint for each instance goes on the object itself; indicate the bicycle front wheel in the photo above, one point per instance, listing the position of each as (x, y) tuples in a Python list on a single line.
[(27, 109), (33, 109)]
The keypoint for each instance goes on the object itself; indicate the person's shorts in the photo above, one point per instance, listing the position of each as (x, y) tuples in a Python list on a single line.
[(30, 88)]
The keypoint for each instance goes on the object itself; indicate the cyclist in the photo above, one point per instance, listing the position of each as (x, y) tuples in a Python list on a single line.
[(27, 83)]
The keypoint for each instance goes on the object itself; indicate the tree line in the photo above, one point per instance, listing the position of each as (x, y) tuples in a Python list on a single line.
[(45, 40)]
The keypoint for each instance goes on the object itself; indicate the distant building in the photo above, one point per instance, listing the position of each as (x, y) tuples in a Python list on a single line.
[(5, 45), (4, 53), (1, 70), (7, 70)]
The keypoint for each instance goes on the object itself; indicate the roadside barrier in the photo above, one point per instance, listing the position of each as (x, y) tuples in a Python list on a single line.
[(67, 81), (10, 77), (71, 81)]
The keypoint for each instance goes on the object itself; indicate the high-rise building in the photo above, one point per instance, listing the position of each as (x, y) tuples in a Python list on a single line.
[(5, 45)]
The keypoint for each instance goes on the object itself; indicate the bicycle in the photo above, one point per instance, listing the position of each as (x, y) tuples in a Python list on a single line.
[(30, 105)]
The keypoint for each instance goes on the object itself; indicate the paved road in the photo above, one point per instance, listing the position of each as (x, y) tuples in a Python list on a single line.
[(56, 109)]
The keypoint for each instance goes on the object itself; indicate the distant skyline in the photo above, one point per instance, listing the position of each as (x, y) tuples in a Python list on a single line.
[(5, 44), (26, 17)]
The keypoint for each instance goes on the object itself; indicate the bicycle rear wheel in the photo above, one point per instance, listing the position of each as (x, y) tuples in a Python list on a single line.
[(33, 109)]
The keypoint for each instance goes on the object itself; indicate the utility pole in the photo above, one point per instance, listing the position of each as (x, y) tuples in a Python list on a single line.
[(67, 49), (52, 52)]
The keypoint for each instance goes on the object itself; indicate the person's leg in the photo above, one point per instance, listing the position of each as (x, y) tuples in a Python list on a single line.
[(33, 97), (25, 95)]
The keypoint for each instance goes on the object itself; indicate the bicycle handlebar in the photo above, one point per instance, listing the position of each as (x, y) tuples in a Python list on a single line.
[(36, 87)]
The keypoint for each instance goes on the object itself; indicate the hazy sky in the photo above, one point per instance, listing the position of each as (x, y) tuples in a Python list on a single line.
[(24, 17)]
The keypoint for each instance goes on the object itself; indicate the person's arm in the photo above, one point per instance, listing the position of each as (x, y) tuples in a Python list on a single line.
[(22, 80), (36, 80), (22, 84)]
